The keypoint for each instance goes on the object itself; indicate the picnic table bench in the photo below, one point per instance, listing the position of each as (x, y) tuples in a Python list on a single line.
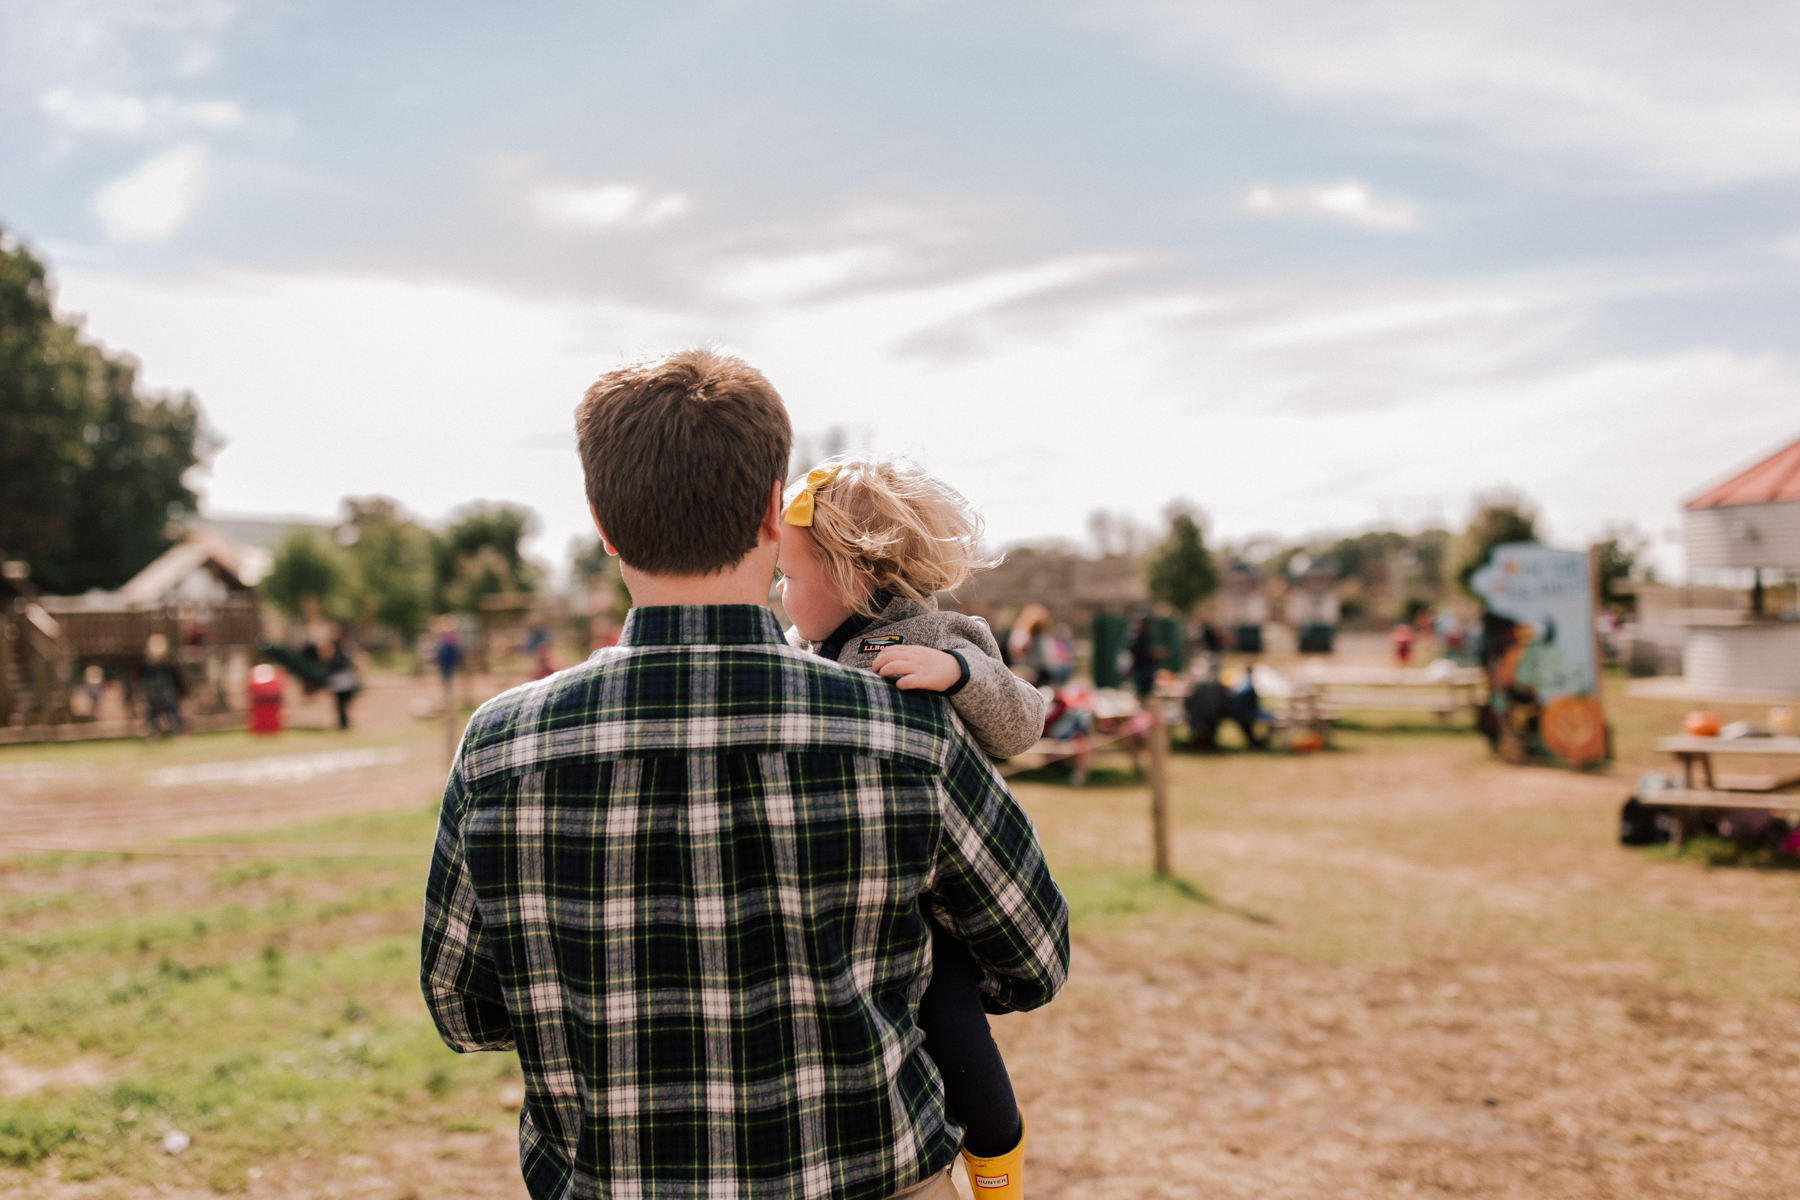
[(1119, 728), (1688, 804), (1332, 691)]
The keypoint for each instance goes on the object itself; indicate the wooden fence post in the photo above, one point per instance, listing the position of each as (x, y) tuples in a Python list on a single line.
[(1159, 785)]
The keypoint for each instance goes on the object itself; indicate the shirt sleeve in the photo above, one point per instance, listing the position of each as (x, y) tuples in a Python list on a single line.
[(992, 889), (456, 965), (1005, 713)]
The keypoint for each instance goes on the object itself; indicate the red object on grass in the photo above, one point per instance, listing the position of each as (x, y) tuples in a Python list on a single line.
[(265, 700)]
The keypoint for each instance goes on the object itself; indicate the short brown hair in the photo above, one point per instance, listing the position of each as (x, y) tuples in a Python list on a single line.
[(679, 453)]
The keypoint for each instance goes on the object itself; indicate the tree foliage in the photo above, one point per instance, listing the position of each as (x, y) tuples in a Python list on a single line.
[(479, 555), (1500, 517), (395, 565), (91, 471), (599, 572), (1180, 571), (308, 567), (1617, 556)]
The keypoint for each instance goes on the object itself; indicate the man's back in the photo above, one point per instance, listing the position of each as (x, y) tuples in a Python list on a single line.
[(686, 879)]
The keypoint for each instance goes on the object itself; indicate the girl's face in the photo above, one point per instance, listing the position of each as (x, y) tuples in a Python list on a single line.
[(812, 604)]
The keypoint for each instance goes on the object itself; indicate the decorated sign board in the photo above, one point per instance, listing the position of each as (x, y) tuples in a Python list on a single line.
[(1538, 648)]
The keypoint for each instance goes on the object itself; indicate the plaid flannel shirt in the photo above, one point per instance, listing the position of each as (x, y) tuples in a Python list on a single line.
[(685, 880)]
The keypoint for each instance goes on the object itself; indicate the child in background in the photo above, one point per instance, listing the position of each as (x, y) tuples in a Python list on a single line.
[(866, 545)]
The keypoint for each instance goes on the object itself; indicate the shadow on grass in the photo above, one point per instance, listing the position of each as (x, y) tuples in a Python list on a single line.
[(1352, 725), (1057, 775), (1712, 851), (1099, 895)]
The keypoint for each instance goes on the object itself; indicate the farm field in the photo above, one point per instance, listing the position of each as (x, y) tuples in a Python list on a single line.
[(1396, 968)]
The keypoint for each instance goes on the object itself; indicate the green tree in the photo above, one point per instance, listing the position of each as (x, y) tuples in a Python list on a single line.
[(308, 568), (92, 473), (1180, 571), (395, 567), (1500, 517), (1617, 556), (479, 555), (599, 570)]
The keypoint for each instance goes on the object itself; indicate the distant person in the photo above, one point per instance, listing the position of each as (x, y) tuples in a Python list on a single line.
[(692, 881), (1402, 638), (448, 654), (1032, 655), (1147, 657), (1212, 640), (867, 546), (163, 687), (340, 673), (542, 665)]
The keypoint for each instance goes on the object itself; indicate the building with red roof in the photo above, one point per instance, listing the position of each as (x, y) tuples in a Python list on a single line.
[(1744, 532)]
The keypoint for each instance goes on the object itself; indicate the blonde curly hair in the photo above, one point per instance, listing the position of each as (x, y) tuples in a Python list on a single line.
[(883, 523)]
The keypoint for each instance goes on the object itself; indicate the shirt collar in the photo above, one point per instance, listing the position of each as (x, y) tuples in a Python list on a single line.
[(700, 625), (832, 646)]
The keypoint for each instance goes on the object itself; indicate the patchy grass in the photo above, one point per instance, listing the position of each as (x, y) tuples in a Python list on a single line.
[(1398, 967), (266, 1008)]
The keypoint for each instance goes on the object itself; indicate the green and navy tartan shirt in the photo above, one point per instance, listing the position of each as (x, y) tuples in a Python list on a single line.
[(686, 880)]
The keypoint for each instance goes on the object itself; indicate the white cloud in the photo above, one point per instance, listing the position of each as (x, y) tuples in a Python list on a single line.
[(108, 112), (603, 206), (151, 203), (1348, 202), (1669, 94), (792, 276)]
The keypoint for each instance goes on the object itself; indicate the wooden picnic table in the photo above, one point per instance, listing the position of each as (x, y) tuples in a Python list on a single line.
[(1688, 804), (1330, 691), (1690, 750)]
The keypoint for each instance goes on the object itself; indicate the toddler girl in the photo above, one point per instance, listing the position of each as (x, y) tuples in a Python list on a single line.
[(865, 546)]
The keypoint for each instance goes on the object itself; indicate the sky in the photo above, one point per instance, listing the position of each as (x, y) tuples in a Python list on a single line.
[(1306, 265)]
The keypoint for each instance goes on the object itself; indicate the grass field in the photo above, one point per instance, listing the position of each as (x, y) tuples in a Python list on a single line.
[(1395, 968)]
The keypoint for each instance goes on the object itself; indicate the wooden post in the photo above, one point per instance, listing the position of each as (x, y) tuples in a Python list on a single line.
[(1159, 785)]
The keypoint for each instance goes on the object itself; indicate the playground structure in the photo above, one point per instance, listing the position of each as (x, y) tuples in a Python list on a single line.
[(192, 595)]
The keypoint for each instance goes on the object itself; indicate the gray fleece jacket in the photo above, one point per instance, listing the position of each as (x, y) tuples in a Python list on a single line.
[(1005, 713)]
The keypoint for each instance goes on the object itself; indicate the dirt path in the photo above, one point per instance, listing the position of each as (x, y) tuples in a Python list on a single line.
[(394, 757)]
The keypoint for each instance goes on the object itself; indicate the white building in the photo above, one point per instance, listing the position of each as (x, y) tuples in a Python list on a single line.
[(1743, 538)]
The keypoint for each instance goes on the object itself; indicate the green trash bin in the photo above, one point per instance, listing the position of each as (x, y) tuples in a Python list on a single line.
[(1112, 636), (1172, 637)]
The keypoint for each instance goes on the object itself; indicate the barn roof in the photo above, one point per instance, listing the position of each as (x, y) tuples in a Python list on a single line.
[(1775, 478), (202, 551)]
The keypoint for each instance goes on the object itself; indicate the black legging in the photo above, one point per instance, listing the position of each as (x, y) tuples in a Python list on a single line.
[(976, 1087), (343, 707)]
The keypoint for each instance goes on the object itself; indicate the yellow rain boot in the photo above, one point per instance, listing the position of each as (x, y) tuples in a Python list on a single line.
[(1001, 1178)]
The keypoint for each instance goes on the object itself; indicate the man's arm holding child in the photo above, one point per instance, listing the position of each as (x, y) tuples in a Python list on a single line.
[(1005, 713), (992, 890), (456, 969)]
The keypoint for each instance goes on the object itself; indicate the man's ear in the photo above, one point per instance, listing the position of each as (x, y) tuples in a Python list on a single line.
[(601, 532), (770, 530)]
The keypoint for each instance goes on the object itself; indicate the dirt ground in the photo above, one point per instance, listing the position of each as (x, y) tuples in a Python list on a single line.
[(1395, 969)]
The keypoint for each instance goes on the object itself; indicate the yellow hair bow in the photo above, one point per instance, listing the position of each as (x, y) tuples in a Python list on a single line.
[(800, 508)]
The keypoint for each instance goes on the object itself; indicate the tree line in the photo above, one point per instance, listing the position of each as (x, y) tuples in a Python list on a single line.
[(93, 470), (380, 569), (1181, 571)]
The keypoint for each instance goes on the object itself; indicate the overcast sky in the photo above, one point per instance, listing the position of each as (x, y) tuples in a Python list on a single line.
[(1308, 265)]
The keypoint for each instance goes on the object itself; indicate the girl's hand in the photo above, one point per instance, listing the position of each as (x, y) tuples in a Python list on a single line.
[(918, 667)]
